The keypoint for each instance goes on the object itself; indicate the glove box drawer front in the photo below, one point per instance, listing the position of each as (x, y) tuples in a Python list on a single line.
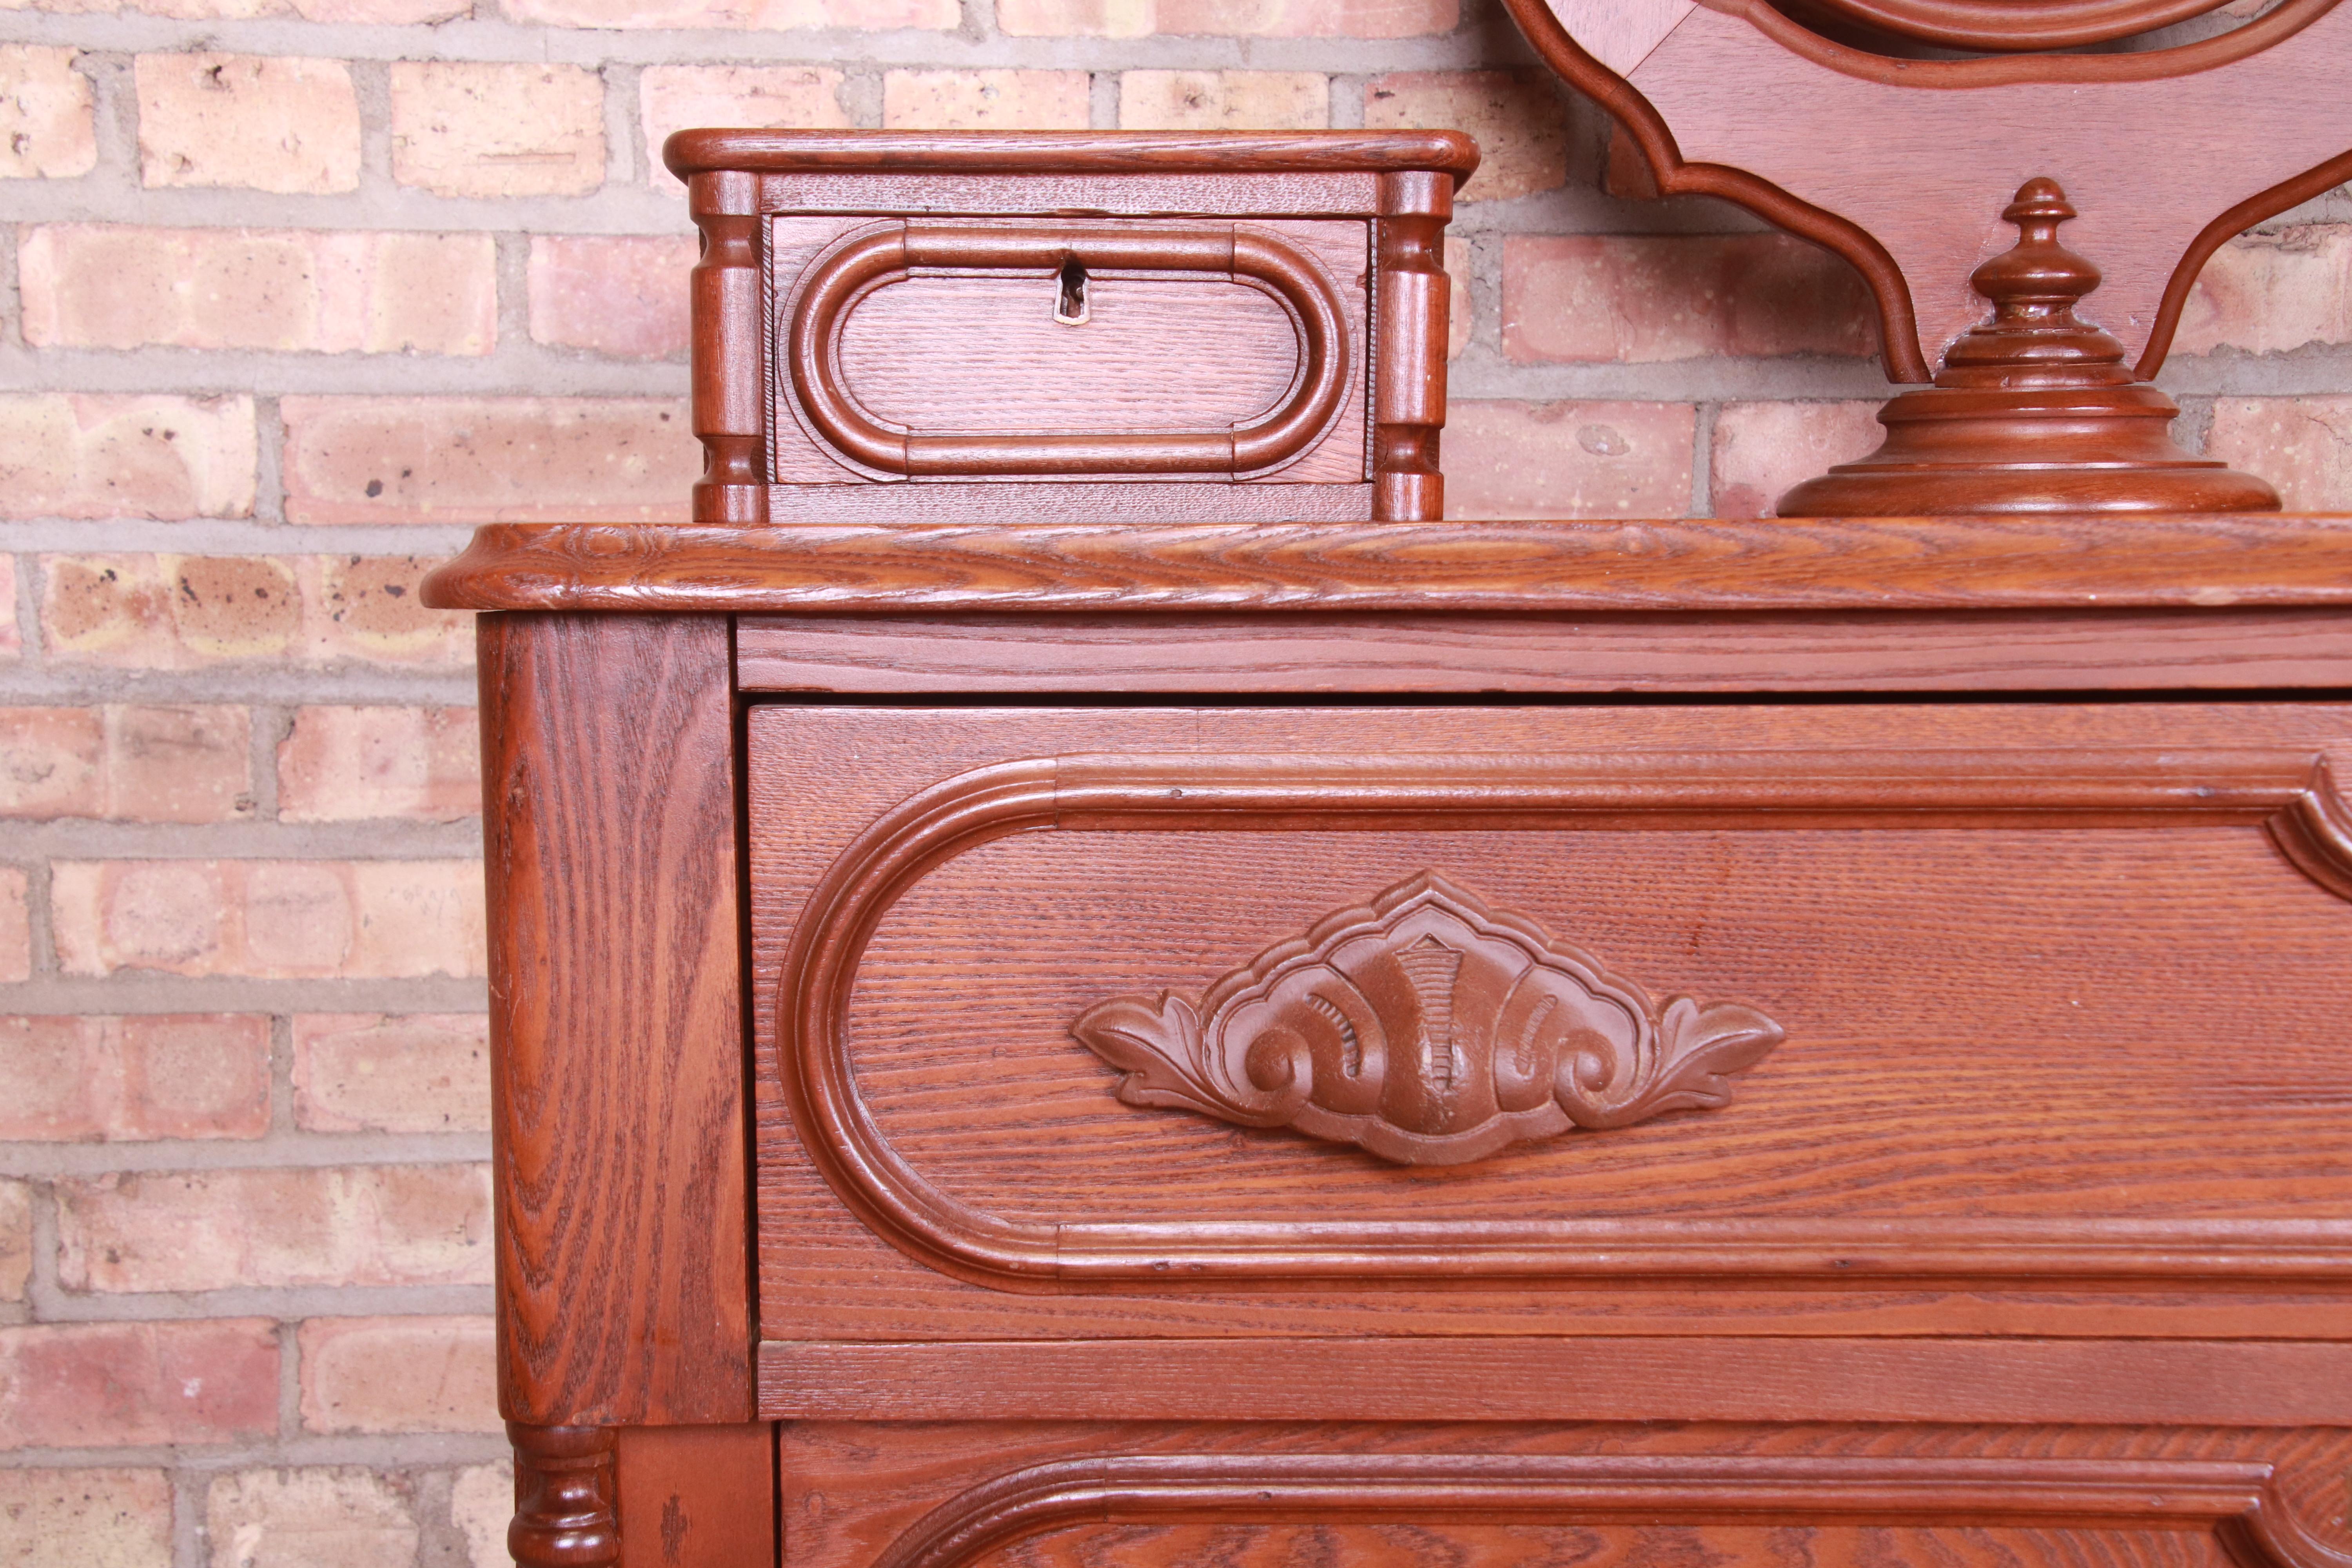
[(1502, 1020)]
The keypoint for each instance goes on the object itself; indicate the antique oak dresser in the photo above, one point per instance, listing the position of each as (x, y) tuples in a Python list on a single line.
[(1077, 978)]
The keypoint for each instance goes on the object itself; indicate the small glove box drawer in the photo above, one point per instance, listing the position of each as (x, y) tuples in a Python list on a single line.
[(899, 327)]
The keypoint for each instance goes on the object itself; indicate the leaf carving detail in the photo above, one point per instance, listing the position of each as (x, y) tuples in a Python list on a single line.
[(1428, 1029)]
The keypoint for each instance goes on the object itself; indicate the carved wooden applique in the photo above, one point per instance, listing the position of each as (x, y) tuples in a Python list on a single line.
[(1428, 1029)]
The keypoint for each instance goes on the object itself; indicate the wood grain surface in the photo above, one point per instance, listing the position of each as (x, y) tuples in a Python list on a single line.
[(2122, 1382), (874, 377), (1929, 1109), (1990, 25), (729, 369), (698, 1497), (2233, 1502), (615, 1020), (1943, 563), (1732, 102), (2092, 650), (1036, 152), (1641, 1496), (565, 1496)]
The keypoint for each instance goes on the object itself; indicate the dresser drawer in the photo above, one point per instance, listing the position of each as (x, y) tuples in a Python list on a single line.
[(918, 326), (1039, 1494), (1524, 1020)]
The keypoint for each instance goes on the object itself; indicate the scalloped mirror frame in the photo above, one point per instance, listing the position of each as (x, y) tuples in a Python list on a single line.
[(1905, 167)]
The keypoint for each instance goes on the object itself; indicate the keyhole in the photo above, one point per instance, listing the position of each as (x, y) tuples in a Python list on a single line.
[(1070, 306)]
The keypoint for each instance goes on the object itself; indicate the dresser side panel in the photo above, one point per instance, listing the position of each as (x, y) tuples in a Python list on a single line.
[(615, 1019)]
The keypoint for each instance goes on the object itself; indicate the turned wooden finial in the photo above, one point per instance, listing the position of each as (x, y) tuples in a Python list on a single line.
[(2033, 410), (2034, 286)]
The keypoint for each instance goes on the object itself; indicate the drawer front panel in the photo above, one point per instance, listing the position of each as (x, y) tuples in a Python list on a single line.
[(1471, 1008), (1514, 1497), (1040, 350)]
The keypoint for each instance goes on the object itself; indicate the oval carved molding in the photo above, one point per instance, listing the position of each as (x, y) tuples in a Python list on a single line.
[(2289, 793), (2237, 1502), (2016, 25), (1428, 1029), (876, 257)]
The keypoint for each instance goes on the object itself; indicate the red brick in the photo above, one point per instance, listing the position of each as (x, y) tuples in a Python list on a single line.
[(110, 1385), (1568, 459), (367, 609), (1463, 305), (98, 455), (363, 12), (145, 764), (170, 611), (187, 612), (15, 927), (683, 98), (178, 765), (432, 459), (267, 123), (144, 1075), (217, 1230), (284, 291), (46, 126), (2271, 293), (366, 1072), (986, 101), (1250, 19), (283, 1517), (15, 1240), (622, 296), (86, 1517), (1614, 300), (1225, 100), (399, 1375), (869, 15), (349, 764), (277, 919), (52, 761), (1762, 449), (12, 641), (469, 127), (482, 1501), (2302, 445), (1517, 117)]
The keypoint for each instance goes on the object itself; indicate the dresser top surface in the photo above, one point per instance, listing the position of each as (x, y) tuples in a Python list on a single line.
[(1071, 152), (1584, 567)]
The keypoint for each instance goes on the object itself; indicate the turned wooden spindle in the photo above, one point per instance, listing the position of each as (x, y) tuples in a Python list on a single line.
[(2033, 410), (565, 1497)]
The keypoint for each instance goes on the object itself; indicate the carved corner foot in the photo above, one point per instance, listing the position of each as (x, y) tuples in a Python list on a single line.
[(565, 1497)]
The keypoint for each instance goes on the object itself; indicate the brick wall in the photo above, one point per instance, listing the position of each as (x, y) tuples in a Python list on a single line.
[(292, 292)]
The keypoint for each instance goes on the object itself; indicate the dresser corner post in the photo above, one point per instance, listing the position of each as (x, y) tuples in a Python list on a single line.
[(728, 401), (1412, 310), (617, 1068), (566, 1495)]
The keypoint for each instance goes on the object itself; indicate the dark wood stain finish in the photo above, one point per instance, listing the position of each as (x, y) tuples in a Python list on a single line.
[(691, 1496), (1429, 1029), (947, 570), (898, 266), (565, 1497), (1843, 134), (615, 1019), (902, 1160)]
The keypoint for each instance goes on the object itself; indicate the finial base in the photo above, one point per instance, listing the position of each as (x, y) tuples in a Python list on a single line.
[(1980, 450), (2032, 411)]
